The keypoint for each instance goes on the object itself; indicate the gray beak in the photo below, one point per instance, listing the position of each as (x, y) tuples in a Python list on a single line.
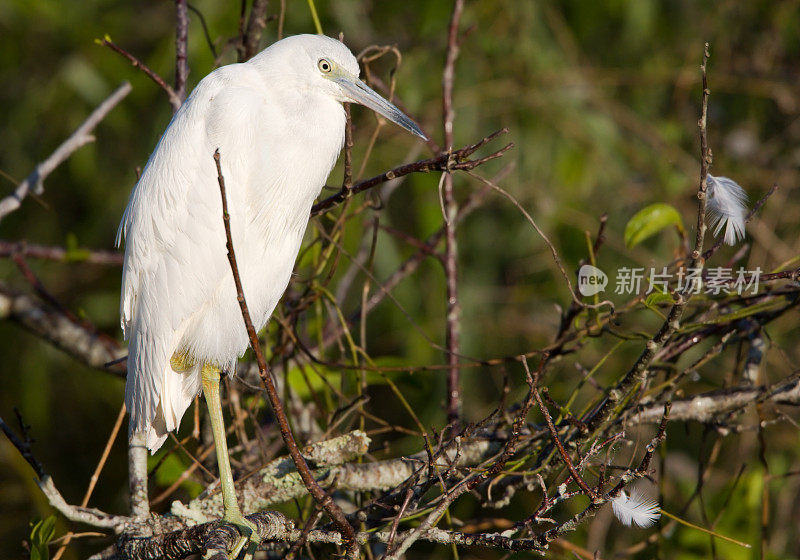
[(361, 93)]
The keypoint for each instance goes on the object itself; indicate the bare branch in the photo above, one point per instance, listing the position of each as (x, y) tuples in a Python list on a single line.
[(453, 315), (214, 539), (576, 476), (637, 374), (34, 183), (321, 497), (137, 475), (181, 46), (89, 516), (59, 254), (458, 160), (713, 406), (251, 36), (49, 324), (279, 482), (174, 100)]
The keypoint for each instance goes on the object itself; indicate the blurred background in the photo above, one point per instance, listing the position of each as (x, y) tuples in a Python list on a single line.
[(601, 100)]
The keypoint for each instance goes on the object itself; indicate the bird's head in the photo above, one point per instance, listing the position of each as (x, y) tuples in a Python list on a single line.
[(330, 66)]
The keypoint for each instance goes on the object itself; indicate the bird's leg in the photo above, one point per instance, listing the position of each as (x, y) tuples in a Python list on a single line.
[(233, 514)]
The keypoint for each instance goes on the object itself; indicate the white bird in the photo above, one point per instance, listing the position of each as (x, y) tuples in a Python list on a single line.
[(279, 125)]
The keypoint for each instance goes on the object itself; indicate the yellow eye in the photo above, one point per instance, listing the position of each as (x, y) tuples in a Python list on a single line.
[(324, 65)]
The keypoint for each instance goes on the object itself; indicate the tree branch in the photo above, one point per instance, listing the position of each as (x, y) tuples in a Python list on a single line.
[(637, 374), (251, 36), (174, 100), (34, 183), (453, 314), (181, 46), (459, 160), (89, 516), (319, 495), (49, 324), (280, 482), (714, 406), (59, 254)]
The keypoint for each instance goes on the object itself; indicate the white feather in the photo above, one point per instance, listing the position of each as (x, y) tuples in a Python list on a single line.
[(636, 509), (727, 205)]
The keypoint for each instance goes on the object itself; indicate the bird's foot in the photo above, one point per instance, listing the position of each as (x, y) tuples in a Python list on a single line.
[(249, 539)]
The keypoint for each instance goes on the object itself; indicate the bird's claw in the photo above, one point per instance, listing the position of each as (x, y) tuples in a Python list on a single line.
[(249, 539)]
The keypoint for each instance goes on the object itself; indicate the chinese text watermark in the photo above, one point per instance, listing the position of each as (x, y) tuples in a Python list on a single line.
[(632, 281)]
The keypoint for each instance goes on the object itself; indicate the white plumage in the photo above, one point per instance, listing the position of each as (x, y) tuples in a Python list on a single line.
[(636, 509), (727, 204), (278, 123)]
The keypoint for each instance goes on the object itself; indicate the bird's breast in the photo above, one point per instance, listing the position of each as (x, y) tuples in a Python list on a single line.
[(297, 159)]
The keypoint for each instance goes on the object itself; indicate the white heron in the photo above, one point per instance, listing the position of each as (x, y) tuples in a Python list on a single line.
[(279, 125)]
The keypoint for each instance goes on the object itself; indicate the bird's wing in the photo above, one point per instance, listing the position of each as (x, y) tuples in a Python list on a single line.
[(175, 255)]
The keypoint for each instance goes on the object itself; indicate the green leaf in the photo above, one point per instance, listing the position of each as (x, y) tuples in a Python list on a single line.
[(42, 532), (649, 221), (658, 297)]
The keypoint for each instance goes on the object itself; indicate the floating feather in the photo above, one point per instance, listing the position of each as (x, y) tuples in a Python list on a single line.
[(727, 205), (636, 509)]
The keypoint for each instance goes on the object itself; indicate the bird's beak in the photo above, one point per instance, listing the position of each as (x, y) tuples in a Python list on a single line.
[(359, 92)]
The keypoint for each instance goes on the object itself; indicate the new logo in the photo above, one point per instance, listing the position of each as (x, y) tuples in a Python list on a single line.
[(591, 280)]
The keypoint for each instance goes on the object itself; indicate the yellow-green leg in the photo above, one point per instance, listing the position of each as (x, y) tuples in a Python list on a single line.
[(233, 514)]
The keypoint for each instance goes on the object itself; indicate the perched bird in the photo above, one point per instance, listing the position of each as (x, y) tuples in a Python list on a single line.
[(278, 123)]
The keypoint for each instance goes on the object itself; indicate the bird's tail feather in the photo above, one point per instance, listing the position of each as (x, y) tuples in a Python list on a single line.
[(179, 390)]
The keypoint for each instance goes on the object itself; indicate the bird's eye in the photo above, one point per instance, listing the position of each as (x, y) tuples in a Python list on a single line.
[(324, 65)]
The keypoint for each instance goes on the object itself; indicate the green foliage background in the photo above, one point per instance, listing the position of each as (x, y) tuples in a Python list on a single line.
[(601, 99)]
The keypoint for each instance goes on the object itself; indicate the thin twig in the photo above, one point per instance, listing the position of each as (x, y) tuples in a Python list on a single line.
[(458, 160), (321, 497), (550, 245), (557, 440), (637, 374), (60, 254), (174, 100), (181, 46), (705, 163), (251, 35), (311, 522), (453, 314), (206, 34), (95, 476), (396, 520), (23, 445)]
